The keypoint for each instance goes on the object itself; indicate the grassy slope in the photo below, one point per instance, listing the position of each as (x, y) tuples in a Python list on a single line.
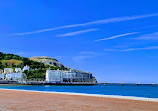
[(12, 61)]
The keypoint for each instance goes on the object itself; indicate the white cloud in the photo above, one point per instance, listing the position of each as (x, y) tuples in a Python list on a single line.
[(76, 33), (117, 36), (80, 58), (133, 49), (144, 48), (151, 36), (104, 21), (84, 55), (87, 52), (111, 50), (91, 53)]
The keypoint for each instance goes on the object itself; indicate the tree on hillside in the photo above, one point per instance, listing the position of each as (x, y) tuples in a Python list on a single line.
[(1, 55), (5, 64), (13, 65), (1, 66), (26, 61)]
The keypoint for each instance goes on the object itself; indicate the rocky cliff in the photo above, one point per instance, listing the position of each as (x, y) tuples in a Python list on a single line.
[(47, 61), (51, 61), (54, 62)]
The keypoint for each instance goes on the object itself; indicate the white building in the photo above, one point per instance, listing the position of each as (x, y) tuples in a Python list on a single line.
[(15, 76), (26, 68), (8, 70), (1, 71), (53, 75), (18, 70), (1, 74), (67, 76), (9, 74)]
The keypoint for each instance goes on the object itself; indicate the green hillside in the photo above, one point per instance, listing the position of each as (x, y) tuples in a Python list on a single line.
[(39, 72), (11, 63), (16, 61)]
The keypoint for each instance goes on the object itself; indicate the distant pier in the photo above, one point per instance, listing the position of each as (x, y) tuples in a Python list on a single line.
[(128, 84), (44, 83), (72, 83)]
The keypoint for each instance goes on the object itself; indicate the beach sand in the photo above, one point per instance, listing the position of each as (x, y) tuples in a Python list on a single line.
[(12, 100)]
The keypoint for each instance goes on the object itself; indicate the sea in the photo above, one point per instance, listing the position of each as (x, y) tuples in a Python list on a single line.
[(136, 91)]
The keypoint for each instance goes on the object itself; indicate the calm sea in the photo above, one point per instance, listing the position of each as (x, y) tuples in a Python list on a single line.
[(137, 91)]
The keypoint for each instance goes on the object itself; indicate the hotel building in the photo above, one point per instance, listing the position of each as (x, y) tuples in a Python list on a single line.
[(67, 76), (17, 75)]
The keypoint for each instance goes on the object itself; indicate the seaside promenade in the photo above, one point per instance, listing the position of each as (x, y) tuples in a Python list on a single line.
[(13, 100)]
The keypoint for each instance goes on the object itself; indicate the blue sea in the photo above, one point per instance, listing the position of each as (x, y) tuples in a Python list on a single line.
[(137, 91)]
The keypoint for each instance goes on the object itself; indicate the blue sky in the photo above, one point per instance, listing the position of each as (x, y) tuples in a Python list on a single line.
[(116, 40)]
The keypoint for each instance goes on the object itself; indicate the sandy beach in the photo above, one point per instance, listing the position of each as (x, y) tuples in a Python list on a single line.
[(12, 100)]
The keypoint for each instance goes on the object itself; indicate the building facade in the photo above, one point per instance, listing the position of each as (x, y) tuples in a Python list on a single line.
[(1, 74), (18, 70), (10, 74), (1, 71), (67, 76), (26, 68), (15, 76), (8, 70)]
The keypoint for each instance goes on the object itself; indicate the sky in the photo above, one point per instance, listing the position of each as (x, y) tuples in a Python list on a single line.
[(115, 40)]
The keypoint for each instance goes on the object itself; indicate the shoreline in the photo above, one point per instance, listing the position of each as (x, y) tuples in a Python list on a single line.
[(91, 95)]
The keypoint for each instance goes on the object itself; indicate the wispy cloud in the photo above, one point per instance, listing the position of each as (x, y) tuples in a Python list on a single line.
[(77, 32), (134, 49), (81, 58), (87, 52), (104, 21), (111, 50), (143, 48), (151, 36), (117, 36), (84, 55), (91, 53)]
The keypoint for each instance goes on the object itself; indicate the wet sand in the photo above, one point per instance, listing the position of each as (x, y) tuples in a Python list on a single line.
[(12, 100)]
